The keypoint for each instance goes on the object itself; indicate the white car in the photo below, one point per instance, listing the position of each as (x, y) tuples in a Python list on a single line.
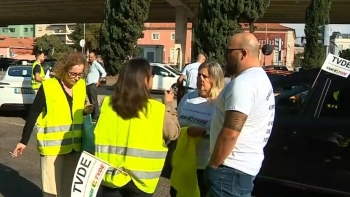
[(165, 77), (15, 88)]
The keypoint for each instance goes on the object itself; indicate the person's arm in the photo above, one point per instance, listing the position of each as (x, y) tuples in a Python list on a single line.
[(37, 71), (238, 104), (101, 70), (182, 76), (35, 110), (171, 126)]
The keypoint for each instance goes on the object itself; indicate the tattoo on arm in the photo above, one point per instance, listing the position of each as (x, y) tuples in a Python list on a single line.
[(234, 120)]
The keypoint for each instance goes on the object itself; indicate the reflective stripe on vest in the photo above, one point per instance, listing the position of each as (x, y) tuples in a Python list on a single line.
[(133, 152), (64, 142), (134, 148), (60, 128), (35, 84), (57, 133)]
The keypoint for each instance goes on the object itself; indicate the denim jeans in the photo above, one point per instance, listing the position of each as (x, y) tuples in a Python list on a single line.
[(228, 182)]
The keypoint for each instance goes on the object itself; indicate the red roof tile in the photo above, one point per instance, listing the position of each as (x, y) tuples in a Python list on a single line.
[(7, 42)]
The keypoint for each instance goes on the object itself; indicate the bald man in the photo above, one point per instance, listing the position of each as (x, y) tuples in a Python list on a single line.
[(190, 73), (241, 123)]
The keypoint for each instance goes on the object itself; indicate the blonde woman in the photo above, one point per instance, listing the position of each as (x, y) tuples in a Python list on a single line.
[(195, 111)]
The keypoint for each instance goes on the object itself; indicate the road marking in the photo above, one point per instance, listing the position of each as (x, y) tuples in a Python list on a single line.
[(12, 123)]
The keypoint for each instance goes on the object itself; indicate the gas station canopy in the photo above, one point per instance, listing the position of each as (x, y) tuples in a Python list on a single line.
[(14, 12)]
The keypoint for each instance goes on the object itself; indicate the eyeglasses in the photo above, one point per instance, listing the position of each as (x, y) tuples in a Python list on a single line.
[(73, 74), (234, 49)]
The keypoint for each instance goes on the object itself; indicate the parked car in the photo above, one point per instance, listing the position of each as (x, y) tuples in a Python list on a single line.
[(21, 62), (165, 77), (308, 152), (15, 88)]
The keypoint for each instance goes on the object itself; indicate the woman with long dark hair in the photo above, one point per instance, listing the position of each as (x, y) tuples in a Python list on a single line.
[(132, 132)]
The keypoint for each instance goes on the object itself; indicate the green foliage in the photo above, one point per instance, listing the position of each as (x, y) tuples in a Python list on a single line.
[(317, 14), (254, 10), (218, 20), (298, 58), (345, 54), (92, 35), (123, 26), (51, 45)]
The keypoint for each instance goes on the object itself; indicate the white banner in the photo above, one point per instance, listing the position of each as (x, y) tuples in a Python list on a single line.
[(88, 176), (336, 65)]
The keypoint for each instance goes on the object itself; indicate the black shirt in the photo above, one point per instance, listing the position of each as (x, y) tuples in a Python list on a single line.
[(37, 69), (39, 105)]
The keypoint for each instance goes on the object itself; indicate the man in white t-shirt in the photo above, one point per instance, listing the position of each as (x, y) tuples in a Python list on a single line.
[(242, 122), (190, 73)]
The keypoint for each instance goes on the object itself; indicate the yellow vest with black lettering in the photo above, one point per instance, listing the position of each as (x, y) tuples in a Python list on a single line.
[(36, 85), (134, 148), (59, 128)]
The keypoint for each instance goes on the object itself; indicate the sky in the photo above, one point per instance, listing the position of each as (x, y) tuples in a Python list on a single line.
[(299, 28)]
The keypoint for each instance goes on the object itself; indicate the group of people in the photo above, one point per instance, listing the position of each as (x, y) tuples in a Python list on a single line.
[(233, 113), (134, 131)]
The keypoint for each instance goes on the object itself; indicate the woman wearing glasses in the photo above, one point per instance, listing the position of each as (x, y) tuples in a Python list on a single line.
[(57, 112), (195, 112)]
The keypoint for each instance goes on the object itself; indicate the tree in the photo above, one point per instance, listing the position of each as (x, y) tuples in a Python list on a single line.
[(254, 10), (123, 26), (317, 14), (298, 58), (345, 54), (92, 35), (51, 45), (218, 20)]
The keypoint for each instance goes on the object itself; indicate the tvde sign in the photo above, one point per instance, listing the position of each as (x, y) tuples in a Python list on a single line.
[(88, 176), (336, 65)]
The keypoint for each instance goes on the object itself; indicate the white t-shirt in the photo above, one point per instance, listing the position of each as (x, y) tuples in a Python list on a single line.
[(191, 73), (227, 80), (252, 94), (194, 110)]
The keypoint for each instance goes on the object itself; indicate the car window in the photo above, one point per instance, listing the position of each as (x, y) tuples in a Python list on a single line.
[(156, 70), (173, 70), (20, 71), (291, 100), (337, 100)]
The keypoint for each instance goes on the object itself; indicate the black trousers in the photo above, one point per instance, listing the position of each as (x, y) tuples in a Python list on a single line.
[(91, 91), (128, 190), (202, 187)]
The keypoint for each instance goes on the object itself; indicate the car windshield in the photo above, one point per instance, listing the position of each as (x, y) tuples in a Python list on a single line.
[(173, 70), (20, 71)]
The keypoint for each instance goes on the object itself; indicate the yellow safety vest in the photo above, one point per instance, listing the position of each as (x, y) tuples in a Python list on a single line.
[(134, 148), (184, 174), (57, 133), (36, 85)]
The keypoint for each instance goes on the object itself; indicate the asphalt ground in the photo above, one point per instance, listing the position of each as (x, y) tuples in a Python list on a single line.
[(20, 177)]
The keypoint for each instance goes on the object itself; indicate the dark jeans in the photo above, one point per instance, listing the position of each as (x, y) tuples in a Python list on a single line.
[(91, 91), (201, 185), (228, 182), (128, 190)]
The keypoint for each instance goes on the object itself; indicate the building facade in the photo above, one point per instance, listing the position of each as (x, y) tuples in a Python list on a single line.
[(17, 31), (17, 48), (163, 34), (338, 43), (62, 30)]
